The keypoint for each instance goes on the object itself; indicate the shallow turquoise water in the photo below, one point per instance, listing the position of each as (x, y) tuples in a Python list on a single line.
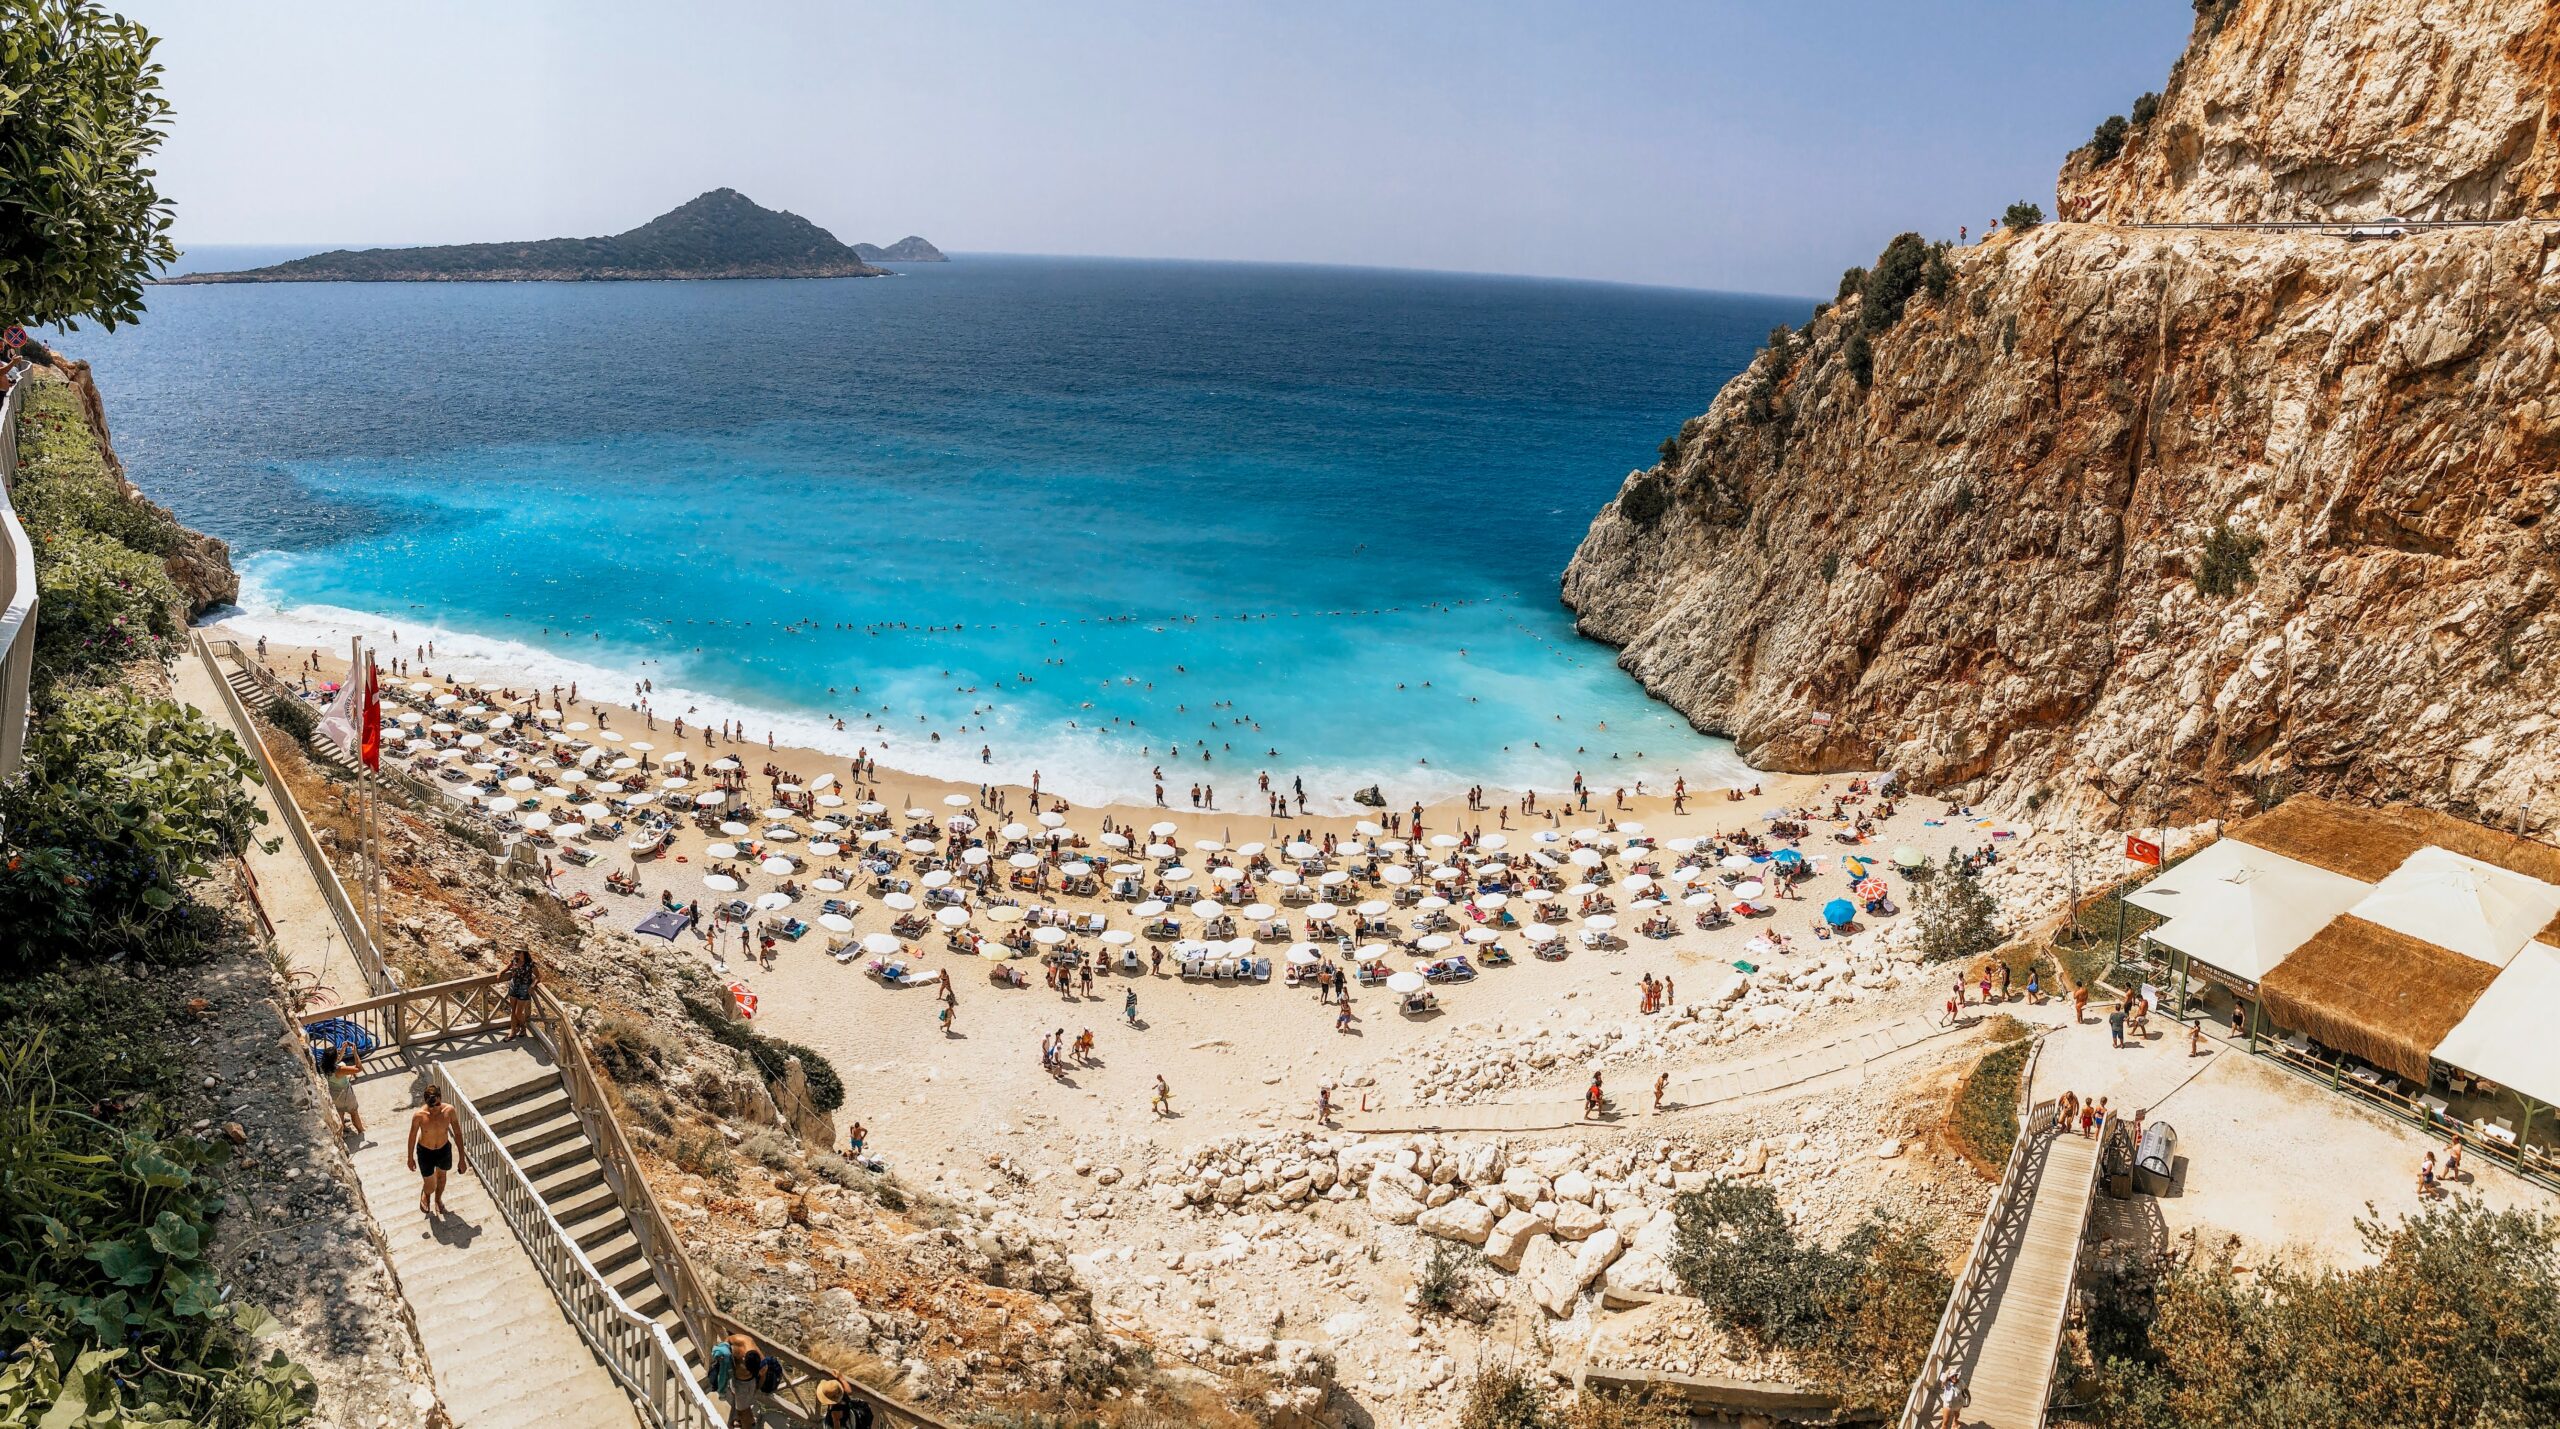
[(1083, 513)]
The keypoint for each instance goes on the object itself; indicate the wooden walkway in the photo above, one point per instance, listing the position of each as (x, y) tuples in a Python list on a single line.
[(2008, 1349)]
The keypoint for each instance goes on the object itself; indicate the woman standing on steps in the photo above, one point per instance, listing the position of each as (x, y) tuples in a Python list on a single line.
[(520, 979)]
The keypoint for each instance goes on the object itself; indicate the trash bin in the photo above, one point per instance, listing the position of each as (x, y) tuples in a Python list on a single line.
[(2156, 1159)]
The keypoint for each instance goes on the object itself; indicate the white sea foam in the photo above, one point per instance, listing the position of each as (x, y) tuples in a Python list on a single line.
[(1087, 766)]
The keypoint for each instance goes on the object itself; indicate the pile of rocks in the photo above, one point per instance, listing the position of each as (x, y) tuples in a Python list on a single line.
[(1472, 1062)]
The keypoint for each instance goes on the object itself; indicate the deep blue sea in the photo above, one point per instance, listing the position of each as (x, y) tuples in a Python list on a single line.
[(1094, 515)]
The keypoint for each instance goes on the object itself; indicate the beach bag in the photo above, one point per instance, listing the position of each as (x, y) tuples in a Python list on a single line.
[(769, 1374)]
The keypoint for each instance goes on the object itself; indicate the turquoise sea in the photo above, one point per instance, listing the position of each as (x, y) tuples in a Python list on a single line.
[(1094, 516)]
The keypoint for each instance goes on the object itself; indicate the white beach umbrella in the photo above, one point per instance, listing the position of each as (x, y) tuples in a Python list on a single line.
[(720, 851), (1259, 911), (956, 801), (548, 716), (555, 791), (645, 796), (939, 878), (471, 741), (1161, 828), (779, 812), (570, 776), (835, 922), (497, 803), (1535, 895), (1582, 890), (1367, 951), (1206, 908), (827, 885), (770, 901), (1377, 908), (1022, 860), (826, 826), (1404, 982), (1539, 932), (570, 831), (830, 801), (1734, 862), (1152, 908), (1049, 937), (1208, 845), (1304, 954), (1393, 846), (1075, 868), (1370, 829), (1118, 937), (1323, 910), (1115, 840), (1435, 943), (823, 781), (733, 828), (722, 765), (1482, 936), (880, 944), (1004, 913), (951, 916), (710, 797), (1631, 828), (1587, 858), (520, 783), (678, 781), (1699, 900), (1227, 873), (777, 866), (1052, 819), (1495, 841), (788, 787), (1176, 874), (1397, 874), (575, 726), (782, 835), (826, 848), (899, 902), (1600, 922), (1491, 901), (1286, 877), (535, 822), (1431, 903), (1302, 849), (1163, 850), (871, 806), (1636, 882), (642, 744), (1015, 830), (1444, 840), (719, 883), (920, 845), (1333, 878), (973, 856), (1748, 888)]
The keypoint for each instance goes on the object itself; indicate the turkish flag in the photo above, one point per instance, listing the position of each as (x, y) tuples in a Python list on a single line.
[(369, 721), (2141, 850)]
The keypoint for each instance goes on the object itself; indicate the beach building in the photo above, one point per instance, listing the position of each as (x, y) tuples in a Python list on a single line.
[(2399, 954)]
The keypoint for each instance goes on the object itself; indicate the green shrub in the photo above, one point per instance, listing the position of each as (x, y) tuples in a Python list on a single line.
[(2022, 215), (2108, 141), (1645, 498), (64, 483), (1985, 1118), (1861, 359), (770, 1054), (2145, 108), (2228, 561), (1669, 451), (115, 1312), (1858, 1316), (1898, 273), (103, 605), (1830, 567), (1958, 918), (125, 799), (1852, 282), (294, 716)]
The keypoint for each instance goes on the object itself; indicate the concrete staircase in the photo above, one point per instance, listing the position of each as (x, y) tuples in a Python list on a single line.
[(534, 1121), (503, 1354)]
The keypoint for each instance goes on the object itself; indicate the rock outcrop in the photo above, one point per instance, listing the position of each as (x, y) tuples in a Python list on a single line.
[(2142, 522)]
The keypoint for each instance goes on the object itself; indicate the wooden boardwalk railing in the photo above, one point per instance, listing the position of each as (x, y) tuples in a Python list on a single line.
[(1965, 1313)]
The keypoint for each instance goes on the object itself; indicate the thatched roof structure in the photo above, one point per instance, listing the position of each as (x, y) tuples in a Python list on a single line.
[(2378, 994), (2366, 844), (2551, 934)]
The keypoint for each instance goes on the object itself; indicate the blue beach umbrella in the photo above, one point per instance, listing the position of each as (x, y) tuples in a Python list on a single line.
[(1787, 857), (1838, 912)]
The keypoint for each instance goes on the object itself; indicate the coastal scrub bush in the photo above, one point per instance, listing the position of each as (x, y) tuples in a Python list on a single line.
[(1853, 281), (2228, 561), (2454, 1319), (82, 114), (1448, 1281), (1958, 917), (296, 718), (1504, 1394), (2022, 215), (104, 605), (1646, 497), (2145, 108), (1669, 451), (2108, 141), (117, 1314), (124, 800), (1938, 276), (771, 1054), (1858, 1316), (1861, 359), (1984, 1120), (63, 481), (1897, 275)]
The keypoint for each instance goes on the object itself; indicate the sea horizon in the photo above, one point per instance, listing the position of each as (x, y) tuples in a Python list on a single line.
[(1094, 517)]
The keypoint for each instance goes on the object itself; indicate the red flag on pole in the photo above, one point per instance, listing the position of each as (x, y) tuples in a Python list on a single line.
[(369, 725), (2141, 850)]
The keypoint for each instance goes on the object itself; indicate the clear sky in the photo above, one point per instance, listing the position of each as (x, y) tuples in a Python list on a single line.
[(1751, 146)]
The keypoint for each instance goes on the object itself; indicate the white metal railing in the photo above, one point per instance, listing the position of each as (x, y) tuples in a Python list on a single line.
[(379, 977), (634, 1349), (17, 598), (2034, 1120)]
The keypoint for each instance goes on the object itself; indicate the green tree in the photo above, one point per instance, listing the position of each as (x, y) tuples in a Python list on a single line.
[(2454, 1320), (1939, 276), (2022, 216), (1861, 357), (2145, 108), (1852, 280), (1898, 273), (1958, 918), (2108, 142), (82, 222)]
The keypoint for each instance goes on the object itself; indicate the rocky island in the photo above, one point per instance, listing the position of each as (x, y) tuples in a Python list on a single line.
[(722, 234), (2162, 509)]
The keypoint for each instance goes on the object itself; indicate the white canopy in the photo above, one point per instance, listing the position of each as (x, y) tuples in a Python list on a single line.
[(2506, 1036), (2241, 909), (2476, 909)]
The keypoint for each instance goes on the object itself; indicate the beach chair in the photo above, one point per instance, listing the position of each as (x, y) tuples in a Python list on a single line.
[(1289, 976), (1262, 970), (840, 948), (1191, 967), (1130, 962)]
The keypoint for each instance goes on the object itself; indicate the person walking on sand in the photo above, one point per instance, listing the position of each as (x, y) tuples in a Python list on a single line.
[(2079, 1005), (2427, 1177), (435, 1150), (1661, 1084), (1342, 1014), (1129, 1007), (1163, 1103), (1324, 1106), (943, 1017), (2195, 1038), (1593, 1099), (2453, 1158)]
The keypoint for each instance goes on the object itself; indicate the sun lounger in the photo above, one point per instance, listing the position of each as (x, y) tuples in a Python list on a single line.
[(1262, 970), (1191, 967)]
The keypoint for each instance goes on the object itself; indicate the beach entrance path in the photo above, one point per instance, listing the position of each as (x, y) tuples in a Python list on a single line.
[(1803, 1070), (503, 1353), (2010, 1334)]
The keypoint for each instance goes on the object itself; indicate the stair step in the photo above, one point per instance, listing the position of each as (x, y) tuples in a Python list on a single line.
[(536, 1137), (567, 1178), (507, 1121), (541, 1161)]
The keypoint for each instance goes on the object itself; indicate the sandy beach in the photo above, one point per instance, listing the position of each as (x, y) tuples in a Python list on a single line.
[(1236, 1055)]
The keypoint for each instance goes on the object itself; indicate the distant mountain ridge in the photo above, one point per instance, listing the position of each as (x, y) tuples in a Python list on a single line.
[(721, 234), (909, 249)]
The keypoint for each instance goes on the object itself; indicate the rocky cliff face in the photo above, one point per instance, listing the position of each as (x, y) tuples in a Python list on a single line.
[(200, 565), (2139, 523)]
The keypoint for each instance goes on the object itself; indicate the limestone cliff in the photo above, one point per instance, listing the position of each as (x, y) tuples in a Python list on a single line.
[(2143, 521), (200, 565)]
